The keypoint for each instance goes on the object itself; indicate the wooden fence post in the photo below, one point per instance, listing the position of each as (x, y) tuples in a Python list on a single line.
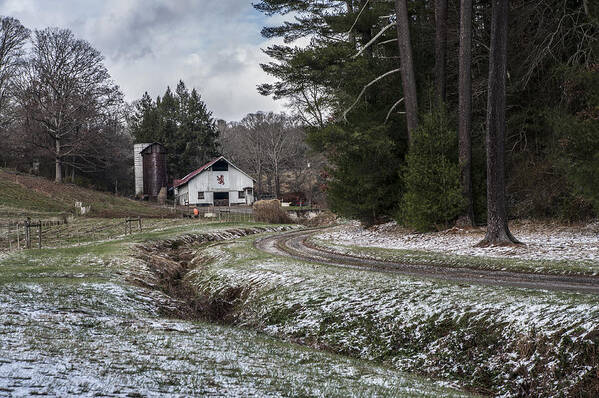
[(39, 233), (18, 237), (9, 240), (139, 223), (27, 234)]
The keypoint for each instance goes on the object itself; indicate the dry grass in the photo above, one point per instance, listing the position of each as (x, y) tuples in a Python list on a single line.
[(23, 194), (270, 211)]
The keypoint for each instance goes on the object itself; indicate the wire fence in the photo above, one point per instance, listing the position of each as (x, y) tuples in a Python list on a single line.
[(37, 234)]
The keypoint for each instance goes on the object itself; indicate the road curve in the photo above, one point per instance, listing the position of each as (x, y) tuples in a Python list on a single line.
[(293, 244)]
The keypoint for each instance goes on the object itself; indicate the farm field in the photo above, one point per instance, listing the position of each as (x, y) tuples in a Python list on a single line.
[(26, 195), (492, 340), (71, 324)]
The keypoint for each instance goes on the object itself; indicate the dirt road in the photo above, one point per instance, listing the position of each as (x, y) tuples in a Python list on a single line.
[(294, 244)]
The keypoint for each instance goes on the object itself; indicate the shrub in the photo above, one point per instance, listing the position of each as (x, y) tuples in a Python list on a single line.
[(578, 133), (580, 155), (270, 211), (433, 195), (363, 180)]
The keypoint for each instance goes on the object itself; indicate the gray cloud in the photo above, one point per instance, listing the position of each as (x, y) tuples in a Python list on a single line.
[(213, 45)]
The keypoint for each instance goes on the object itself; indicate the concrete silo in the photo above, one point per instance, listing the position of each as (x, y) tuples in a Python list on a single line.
[(139, 168)]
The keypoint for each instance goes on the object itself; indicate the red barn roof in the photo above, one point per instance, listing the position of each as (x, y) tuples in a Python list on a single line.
[(194, 173)]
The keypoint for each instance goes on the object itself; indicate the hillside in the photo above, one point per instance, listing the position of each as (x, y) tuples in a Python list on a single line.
[(27, 195)]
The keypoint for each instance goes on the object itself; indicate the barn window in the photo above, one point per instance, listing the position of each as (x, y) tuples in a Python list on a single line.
[(200, 195), (221, 165), (241, 195)]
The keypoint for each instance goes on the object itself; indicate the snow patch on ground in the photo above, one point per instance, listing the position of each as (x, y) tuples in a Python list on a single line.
[(442, 328), (541, 242)]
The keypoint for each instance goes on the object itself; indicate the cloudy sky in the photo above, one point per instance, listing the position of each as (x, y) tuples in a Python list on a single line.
[(213, 45)]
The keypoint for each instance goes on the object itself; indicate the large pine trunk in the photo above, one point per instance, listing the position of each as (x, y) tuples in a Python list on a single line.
[(497, 225), (465, 106), (408, 78), (440, 49)]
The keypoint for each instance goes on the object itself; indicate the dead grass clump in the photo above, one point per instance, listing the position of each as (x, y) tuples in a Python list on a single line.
[(270, 211), (322, 219)]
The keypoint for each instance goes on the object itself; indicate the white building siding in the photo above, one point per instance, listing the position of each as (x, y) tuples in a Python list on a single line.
[(208, 181)]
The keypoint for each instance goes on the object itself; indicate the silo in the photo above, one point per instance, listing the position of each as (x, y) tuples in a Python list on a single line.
[(138, 168), (154, 169)]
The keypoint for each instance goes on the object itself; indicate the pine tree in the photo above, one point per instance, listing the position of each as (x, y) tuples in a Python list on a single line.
[(182, 123)]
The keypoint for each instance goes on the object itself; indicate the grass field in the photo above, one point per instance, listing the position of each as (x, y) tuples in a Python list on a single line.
[(25, 195), (70, 325), (493, 340)]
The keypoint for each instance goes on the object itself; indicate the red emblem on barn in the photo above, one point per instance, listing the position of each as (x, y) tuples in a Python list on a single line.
[(220, 180)]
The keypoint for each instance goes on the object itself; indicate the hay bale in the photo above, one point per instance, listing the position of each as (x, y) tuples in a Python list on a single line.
[(162, 196), (270, 211)]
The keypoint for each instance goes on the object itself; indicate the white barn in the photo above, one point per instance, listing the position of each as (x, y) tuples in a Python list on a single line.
[(217, 183)]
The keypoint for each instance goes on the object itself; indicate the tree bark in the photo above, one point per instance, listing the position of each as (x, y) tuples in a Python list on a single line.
[(58, 163), (497, 222), (259, 193), (465, 106), (277, 183), (408, 78), (440, 49)]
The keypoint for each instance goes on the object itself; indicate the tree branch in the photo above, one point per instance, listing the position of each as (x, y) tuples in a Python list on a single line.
[(375, 38), (358, 17), (364, 89), (392, 108)]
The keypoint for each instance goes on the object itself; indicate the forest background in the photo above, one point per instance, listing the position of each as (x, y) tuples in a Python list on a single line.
[(347, 102)]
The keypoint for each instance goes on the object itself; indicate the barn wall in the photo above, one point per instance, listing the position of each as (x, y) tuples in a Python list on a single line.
[(207, 182)]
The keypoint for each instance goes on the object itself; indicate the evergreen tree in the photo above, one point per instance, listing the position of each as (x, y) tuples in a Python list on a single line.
[(182, 123)]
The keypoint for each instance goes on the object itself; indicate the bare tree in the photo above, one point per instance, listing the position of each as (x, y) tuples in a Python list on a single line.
[(408, 78), (283, 140), (497, 222), (243, 143), (268, 145), (312, 105), (465, 105), (13, 37), (63, 91)]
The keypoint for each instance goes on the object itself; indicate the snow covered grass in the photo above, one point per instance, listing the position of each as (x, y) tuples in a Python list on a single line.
[(493, 340), (547, 249), (70, 325)]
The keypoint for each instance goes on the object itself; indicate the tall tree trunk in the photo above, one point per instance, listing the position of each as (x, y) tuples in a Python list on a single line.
[(277, 182), (440, 49), (259, 193), (465, 106), (408, 78), (58, 163), (497, 223)]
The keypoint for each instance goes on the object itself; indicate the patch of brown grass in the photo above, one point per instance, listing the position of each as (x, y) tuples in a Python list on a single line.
[(270, 211)]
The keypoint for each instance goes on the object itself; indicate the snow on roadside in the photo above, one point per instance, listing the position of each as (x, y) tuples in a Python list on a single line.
[(541, 242)]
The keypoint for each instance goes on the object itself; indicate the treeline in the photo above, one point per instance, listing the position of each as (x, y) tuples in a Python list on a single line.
[(272, 149), (61, 115), (407, 98), (182, 123)]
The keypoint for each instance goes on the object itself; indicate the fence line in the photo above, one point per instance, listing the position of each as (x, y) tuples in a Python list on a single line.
[(28, 233)]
